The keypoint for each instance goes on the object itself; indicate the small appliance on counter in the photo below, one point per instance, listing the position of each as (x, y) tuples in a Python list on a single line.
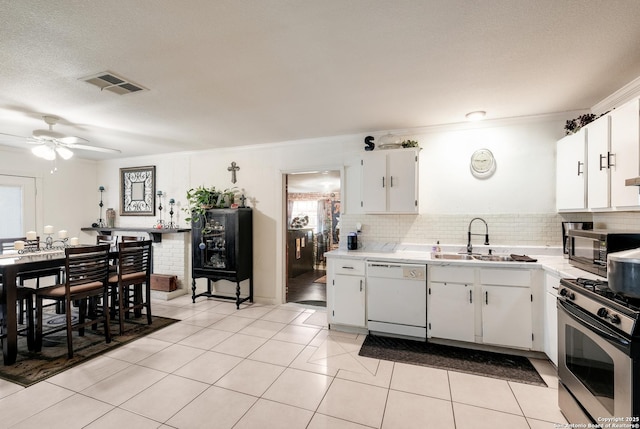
[(588, 249), (352, 241), (566, 226)]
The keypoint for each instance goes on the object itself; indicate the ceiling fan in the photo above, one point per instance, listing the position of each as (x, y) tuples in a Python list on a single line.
[(51, 144)]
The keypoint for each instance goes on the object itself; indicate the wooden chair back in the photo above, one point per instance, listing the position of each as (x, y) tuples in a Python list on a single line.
[(134, 257), (86, 264), (111, 240), (6, 244), (131, 238)]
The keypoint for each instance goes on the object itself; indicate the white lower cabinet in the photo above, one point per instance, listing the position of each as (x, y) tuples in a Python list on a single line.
[(346, 292), (451, 312), (490, 306), (506, 316)]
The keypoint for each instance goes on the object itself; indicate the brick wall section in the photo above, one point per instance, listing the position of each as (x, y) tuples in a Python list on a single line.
[(169, 257)]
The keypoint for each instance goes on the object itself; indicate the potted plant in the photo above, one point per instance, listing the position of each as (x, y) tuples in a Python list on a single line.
[(199, 200), (227, 197)]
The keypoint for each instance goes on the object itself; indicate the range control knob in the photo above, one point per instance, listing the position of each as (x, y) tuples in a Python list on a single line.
[(567, 293), (614, 318)]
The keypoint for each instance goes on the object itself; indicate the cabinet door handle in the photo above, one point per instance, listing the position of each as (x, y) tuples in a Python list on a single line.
[(360, 285), (609, 156), (603, 157), (470, 297), (383, 181), (391, 181), (579, 165), (486, 297)]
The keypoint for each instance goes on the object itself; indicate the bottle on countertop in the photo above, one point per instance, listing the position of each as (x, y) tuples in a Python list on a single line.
[(436, 248)]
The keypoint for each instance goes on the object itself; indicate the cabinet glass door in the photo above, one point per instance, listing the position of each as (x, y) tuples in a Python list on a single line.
[(217, 242)]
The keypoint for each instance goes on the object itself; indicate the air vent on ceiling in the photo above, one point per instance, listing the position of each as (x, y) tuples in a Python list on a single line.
[(108, 81)]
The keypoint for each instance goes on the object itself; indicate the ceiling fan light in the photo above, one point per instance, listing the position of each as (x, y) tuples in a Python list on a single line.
[(64, 152), (44, 152), (476, 116)]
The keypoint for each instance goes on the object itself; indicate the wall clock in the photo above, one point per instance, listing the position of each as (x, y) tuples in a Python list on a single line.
[(483, 164)]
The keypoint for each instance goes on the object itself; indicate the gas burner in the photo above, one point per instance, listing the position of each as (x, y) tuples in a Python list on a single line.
[(631, 303), (601, 287), (591, 283)]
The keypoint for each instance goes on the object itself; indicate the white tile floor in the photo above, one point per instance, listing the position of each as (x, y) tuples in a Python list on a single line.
[(267, 367)]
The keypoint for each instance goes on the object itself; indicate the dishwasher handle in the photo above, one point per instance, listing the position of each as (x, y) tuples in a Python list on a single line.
[(384, 265)]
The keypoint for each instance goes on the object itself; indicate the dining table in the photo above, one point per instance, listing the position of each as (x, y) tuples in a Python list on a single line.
[(12, 265)]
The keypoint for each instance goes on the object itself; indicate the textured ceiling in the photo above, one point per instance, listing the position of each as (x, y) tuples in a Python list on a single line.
[(238, 72)]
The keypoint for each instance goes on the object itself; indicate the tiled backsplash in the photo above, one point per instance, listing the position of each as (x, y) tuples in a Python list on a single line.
[(537, 229)]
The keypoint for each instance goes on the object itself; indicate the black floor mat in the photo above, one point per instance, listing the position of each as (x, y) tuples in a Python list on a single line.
[(489, 364)]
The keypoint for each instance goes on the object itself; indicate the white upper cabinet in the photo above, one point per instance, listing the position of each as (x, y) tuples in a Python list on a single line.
[(598, 161), (571, 172), (625, 153), (390, 181)]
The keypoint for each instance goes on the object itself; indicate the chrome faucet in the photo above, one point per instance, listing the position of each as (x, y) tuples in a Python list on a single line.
[(469, 234)]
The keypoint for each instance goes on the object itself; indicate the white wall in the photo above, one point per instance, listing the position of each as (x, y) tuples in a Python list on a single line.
[(68, 199), (522, 187), (524, 180), (517, 201)]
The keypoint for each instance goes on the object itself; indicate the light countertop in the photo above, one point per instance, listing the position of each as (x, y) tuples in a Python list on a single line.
[(550, 259)]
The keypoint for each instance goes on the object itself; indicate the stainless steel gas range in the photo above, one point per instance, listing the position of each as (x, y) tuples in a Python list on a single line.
[(598, 354)]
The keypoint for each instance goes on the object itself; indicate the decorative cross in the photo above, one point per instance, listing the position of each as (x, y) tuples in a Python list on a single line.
[(233, 170), (242, 200)]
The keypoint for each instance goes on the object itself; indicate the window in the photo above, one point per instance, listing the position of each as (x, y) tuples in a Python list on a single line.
[(17, 205)]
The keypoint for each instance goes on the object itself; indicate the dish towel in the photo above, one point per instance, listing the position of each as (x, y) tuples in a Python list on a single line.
[(522, 258)]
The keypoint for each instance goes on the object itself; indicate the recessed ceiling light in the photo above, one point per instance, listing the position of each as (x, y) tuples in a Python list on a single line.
[(476, 116)]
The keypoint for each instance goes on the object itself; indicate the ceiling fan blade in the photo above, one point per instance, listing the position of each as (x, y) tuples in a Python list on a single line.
[(72, 140), (93, 148)]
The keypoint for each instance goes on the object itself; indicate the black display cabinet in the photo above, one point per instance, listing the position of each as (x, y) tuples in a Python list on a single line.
[(222, 249)]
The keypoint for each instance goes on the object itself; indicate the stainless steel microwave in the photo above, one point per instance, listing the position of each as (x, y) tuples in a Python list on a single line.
[(588, 249)]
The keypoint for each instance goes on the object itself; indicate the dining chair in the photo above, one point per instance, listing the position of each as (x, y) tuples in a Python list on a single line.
[(25, 293), (134, 272), (131, 238), (111, 240), (86, 277)]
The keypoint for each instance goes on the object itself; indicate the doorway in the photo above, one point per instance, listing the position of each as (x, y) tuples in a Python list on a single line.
[(313, 216)]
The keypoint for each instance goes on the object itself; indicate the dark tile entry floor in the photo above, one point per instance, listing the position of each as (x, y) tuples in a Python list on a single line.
[(303, 288)]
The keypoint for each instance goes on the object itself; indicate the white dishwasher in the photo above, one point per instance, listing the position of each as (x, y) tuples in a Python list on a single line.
[(397, 299)]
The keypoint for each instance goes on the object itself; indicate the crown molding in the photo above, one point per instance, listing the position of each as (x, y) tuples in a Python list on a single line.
[(621, 96)]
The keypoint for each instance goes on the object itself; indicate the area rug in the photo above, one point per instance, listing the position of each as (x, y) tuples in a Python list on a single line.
[(478, 362), (322, 279), (31, 367)]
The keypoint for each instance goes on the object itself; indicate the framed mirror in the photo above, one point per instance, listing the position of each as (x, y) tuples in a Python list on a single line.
[(137, 191)]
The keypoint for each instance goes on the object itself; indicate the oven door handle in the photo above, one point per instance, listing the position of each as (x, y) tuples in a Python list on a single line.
[(584, 321)]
